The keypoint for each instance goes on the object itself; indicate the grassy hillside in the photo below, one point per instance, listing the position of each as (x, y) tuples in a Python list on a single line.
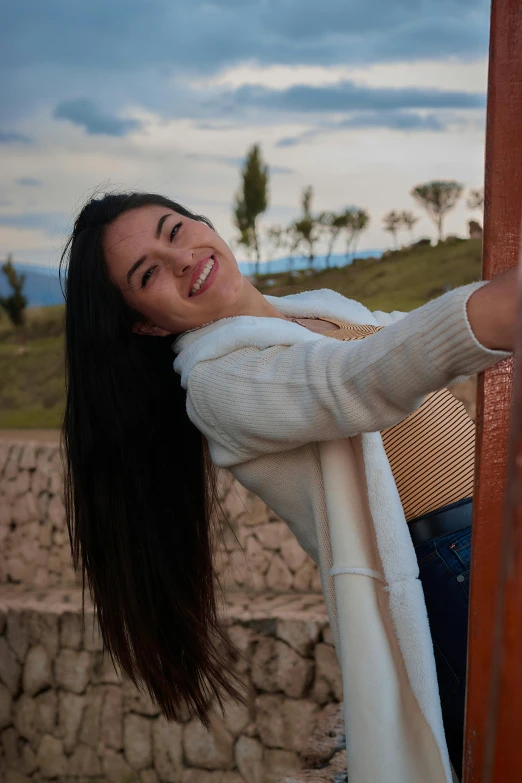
[(32, 383)]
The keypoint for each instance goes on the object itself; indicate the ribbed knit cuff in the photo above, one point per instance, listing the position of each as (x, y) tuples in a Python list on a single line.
[(452, 344)]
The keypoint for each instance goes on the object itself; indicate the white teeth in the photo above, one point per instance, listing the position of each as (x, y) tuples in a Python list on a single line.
[(201, 279)]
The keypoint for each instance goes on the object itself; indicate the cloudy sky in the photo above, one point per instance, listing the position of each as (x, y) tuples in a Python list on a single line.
[(361, 100)]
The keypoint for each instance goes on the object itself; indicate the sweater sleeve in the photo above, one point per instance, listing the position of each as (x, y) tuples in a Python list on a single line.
[(256, 401)]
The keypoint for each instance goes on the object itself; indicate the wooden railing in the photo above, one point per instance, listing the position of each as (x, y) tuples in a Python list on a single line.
[(493, 744)]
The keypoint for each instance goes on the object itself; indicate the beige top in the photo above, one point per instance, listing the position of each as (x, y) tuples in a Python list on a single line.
[(432, 451)]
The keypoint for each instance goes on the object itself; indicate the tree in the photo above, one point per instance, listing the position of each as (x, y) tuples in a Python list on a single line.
[(15, 304), (392, 222), (308, 226), (332, 224), (276, 239), (408, 221), (251, 201), (357, 221), (294, 239), (438, 198), (475, 199)]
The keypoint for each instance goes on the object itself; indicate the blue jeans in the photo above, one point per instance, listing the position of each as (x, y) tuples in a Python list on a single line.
[(444, 565)]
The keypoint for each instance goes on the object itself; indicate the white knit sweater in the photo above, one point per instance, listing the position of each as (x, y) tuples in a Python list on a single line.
[(295, 416)]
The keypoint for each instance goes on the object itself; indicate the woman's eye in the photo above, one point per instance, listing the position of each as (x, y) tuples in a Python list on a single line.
[(174, 229), (146, 276)]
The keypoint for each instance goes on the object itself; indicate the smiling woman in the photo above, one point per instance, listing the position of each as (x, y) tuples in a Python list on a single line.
[(141, 266), (328, 429)]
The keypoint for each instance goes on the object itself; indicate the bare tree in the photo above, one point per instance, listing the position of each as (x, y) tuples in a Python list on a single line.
[(438, 198), (332, 224), (408, 221), (392, 222), (357, 221), (308, 226), (475, 199)]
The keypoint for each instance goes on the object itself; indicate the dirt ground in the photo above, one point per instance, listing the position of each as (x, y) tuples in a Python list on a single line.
[(40, 436)]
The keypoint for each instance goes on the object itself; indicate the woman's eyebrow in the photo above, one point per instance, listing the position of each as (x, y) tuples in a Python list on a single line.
[(157, 234)]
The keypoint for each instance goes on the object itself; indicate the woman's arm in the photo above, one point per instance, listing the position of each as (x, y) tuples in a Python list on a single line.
[(259, 401)]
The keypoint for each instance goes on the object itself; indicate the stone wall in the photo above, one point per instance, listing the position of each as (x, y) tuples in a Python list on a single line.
[(256, 551), (67, 715)]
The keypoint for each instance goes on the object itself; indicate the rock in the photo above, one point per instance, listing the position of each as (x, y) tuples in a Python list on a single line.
[(237, 716), (103, 670), (11, 466), (17, 634), (149, 776), (28, 455), (138, 701), (243, 639), (327, 739), (56, 511), (280, 762), (29, 763), (278, 577), (70, 711), (6, 703), (10, 745), (168, 750), (285, 723), (45, 717), (72, 669), (293, 554), (328, 636), (210, 750), (43, 629), (300, 635), (328, 680), (272, 535), (51, 758), (24, 717), (13, 776), (37, 670), (137, 741), (249, 759), (115, 768), (84, 762), (277, 667), (111, 718), (90, 725), (71, 630)]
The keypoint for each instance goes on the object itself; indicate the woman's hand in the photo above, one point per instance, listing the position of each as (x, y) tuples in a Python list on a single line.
[(492, 311)]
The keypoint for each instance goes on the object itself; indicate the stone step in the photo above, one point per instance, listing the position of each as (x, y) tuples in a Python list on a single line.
[(67, 714)]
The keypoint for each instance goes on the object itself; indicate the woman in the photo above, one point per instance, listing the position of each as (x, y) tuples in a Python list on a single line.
[(296, 418)]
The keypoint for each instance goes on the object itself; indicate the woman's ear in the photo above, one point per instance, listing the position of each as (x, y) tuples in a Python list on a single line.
[(142, 328)]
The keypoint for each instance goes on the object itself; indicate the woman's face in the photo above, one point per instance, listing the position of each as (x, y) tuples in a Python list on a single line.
[(156, 257)]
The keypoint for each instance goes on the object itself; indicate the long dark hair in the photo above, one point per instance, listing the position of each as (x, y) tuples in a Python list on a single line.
[(139, 485)]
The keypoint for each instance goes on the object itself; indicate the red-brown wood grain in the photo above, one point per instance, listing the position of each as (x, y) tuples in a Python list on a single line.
[(503, 750), (502, 219)]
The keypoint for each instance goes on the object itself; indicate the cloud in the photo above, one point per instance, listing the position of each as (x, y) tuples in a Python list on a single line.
[(11, 137), (29, 182), (398, 120), (348, 96), (87, 115), (50, 222), (235, 162), (146, 51)]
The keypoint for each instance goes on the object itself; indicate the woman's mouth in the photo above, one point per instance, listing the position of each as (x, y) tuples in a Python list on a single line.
[(205, 278)]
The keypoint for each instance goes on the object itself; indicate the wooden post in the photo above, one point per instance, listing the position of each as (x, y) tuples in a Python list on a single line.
[(502, 222)]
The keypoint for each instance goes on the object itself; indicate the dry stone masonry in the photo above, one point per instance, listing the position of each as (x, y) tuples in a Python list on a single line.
[(67, 715)]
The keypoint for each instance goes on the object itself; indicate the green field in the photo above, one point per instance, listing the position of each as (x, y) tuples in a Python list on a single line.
[(32, 383)]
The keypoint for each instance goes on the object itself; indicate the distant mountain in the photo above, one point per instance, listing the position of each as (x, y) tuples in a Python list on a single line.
[(42, 285), (301, 262)]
